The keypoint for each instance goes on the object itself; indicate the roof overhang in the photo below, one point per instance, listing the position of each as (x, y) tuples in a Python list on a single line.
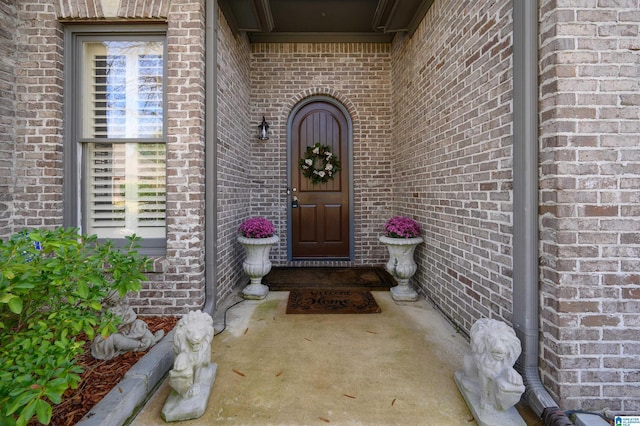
[(286, 21)]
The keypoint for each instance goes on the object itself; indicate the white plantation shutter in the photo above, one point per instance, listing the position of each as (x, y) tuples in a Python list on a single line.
[(126, 96), (106, 188), (109, 94), (149, 96), (125, 188), (151, 187)]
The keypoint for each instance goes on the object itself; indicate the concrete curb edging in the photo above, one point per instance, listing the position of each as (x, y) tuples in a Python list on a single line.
[(132, 391), (587, 419)]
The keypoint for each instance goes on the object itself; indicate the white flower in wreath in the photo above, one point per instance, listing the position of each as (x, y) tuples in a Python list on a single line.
[(316, 150), (329, 167), (309, 162), (329, 155), (321, 174)]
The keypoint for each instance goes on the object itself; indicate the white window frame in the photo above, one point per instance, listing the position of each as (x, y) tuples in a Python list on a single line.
[(79, 137)]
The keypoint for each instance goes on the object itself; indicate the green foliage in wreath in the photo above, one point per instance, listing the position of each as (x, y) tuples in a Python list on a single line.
[(319, 164)]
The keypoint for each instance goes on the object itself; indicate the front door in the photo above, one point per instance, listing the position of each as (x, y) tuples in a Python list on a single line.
[(320, 218)]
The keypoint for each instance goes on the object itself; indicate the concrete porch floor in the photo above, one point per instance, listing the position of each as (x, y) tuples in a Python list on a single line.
[(392, 368)]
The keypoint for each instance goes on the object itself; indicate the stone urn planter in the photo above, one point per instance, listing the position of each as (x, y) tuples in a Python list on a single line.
[(402, 265), (401, 236), (257, 264), (256, 236)]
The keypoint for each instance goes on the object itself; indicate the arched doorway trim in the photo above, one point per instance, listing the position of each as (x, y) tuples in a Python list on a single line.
[(343, 109)]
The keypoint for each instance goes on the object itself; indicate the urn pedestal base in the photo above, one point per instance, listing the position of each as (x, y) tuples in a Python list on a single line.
[(403, 293), (256, 291)]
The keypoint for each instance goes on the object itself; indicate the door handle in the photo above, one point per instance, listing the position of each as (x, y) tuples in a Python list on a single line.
[(294, 202)]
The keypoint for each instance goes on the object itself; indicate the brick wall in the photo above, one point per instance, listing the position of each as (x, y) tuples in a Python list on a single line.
[(178, 287), (590, 202), (38, 118), (451, 156), (178, 284), (358, 76), (235, 175), (8, 23)]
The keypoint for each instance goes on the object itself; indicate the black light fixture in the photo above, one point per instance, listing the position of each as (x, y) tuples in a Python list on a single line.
[(264, 130)]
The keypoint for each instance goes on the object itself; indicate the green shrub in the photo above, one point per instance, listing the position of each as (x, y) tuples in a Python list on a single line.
[(51, 287)]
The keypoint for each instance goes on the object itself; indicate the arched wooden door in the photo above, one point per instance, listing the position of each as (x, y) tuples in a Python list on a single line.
[(320, 221)]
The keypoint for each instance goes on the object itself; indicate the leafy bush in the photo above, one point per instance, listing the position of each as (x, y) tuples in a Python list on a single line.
[(51, 287)]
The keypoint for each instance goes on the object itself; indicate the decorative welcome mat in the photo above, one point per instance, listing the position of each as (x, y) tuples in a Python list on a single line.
[(331, 301)]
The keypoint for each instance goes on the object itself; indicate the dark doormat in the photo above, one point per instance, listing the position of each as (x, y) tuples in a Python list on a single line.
[(331, 301), (367, 278)]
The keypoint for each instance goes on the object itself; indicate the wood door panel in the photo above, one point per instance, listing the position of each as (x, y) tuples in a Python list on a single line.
[(320, 225), (332, 221), (308, 217)]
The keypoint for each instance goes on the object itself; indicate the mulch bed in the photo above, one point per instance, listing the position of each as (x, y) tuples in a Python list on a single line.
[(99, 378)]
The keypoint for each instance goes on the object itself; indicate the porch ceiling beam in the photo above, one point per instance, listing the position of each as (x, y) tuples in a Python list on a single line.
[(320, 37), (399, 15), (248, 15)]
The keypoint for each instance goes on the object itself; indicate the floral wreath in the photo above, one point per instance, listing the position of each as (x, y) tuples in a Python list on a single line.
[(319, 164)]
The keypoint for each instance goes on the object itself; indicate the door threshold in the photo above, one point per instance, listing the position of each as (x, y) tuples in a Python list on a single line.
[(338, 262)]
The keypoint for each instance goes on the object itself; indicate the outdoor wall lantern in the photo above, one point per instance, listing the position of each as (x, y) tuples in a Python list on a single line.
[(264, 130)]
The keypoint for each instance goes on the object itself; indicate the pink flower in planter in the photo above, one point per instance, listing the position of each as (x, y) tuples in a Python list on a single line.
[(401, 227), (257, 227)]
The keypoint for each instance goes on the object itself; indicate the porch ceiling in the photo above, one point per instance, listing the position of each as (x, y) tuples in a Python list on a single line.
[(281, 21)]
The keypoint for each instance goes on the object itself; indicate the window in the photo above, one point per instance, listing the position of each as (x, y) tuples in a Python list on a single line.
[(117, 137)]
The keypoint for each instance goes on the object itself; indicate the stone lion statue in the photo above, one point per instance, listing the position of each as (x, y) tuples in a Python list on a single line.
[(489, 370), (192, 345)]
